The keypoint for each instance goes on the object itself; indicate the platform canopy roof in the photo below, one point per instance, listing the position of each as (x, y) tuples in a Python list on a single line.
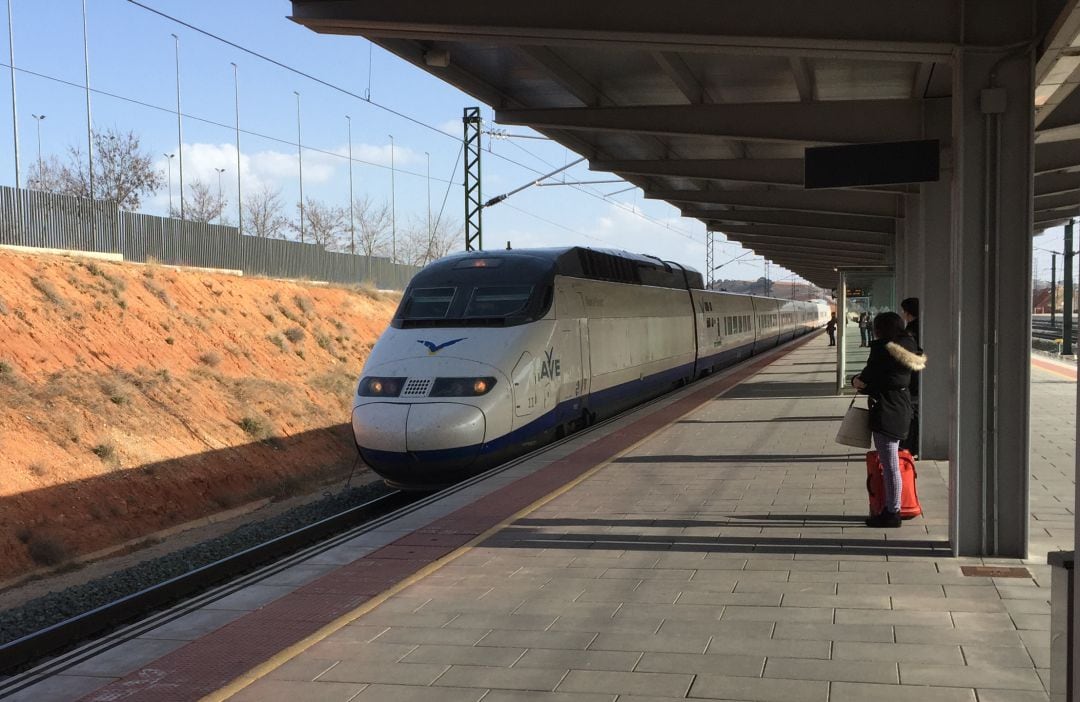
[(709, 104)]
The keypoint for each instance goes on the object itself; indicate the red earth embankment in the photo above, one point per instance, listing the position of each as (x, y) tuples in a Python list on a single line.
[(135, 398)]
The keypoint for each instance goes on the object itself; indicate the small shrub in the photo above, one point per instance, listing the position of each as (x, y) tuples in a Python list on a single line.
[(300, 353), (121, 303), (3, 308), (93, 269), (269, 316), (323, 341), (210, 358), (255, 426), (6, 368), (224, 498), (48, 290), (276, 297), (294, 334), (159, 293), (47, 550), (304, 304), (38, 469), (148, 272), (339, 325), (97, 512), (104, 451), (169, 340), (290, 315), (276, 340), (23, 534), (163, 375)]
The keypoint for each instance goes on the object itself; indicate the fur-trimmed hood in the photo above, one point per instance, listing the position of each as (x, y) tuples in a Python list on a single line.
[(909, 359)]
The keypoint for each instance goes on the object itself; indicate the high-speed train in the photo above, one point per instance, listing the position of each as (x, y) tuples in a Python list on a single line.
[(492, 354)]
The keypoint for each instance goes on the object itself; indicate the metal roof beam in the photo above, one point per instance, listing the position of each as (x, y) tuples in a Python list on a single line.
[(915, 29), (768, 171), (804, 77), (806, 233), (825, 257), (1056, 183), (1059, 201), (1057, 156), (748, 239), (850, 202), (853, 223), (831, 122)]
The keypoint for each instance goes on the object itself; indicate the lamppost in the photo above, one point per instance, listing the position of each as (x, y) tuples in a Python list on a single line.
[(170, 157), (179, 124), (220, 202), (41, 171), (239, 196), (14, 110), (393, 206), (89, 120), (300, 158), (429, 232), (352, 218)]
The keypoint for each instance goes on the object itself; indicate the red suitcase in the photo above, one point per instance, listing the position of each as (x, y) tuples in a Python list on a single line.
[(875, 485)]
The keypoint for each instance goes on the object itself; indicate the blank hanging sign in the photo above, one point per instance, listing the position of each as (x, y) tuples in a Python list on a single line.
[(885, 163)]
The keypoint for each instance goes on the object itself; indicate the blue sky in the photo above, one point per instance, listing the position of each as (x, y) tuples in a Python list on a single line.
[(131, 55)]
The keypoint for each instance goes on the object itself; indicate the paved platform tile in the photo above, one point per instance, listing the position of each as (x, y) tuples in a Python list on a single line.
[(864, 692), (579, 660), (747, 666), (758, 689), (843, 671), (970, 676), (501, 678), (670, 684)]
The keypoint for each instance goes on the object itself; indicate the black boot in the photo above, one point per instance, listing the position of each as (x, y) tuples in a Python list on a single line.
[(884, 520)]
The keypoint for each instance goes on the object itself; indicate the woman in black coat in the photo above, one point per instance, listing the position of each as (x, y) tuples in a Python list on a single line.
[(886, 377)]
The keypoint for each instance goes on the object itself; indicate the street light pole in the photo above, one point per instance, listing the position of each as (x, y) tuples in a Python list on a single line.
[(179, 124), (352, 207), (170, 157), (393, 206), (40, 168), (14, 109), (239, 195), (431, 234), (220, 202), (89, 120), (300, 158)]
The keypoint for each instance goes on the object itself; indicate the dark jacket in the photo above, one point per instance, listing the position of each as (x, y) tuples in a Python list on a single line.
[(913, 329), (887, 376), (830, 326)]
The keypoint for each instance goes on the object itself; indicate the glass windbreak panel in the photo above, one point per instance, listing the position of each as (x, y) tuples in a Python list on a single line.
[(427, 303), (498, 300), (864, 295)]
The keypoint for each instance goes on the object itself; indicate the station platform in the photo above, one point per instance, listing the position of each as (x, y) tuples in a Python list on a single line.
[(707, 546)]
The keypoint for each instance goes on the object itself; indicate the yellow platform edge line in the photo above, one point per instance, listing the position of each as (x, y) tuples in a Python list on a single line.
[(280, 658)]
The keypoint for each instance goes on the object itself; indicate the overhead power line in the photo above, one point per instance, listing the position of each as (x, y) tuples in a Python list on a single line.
[(397, 113)]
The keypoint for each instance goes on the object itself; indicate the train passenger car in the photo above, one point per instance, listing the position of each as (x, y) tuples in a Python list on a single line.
[(493, 354)]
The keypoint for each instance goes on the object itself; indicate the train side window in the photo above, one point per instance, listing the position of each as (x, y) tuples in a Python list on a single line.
[(428, 303)]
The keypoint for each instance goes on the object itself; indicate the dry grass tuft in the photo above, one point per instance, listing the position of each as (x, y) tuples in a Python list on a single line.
[(105, 451), (256, 426), (210, 358), (304, 304), (295, 334), (50, 292)]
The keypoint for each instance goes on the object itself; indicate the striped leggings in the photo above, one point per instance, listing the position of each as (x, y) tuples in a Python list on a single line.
[(887, 449)]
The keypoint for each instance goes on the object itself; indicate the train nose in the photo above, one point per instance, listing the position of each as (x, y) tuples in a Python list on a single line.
[(399, 439)]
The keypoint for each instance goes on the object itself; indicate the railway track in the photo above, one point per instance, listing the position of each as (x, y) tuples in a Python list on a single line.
[(1042, 329)]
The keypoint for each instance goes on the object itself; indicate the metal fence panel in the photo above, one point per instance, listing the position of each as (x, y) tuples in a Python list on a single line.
[(47, 220)]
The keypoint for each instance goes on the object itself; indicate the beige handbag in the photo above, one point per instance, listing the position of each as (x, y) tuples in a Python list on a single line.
[(855, 429)]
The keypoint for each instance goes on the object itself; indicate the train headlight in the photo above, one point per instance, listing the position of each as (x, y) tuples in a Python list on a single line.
[(461, 387), (380, 387)]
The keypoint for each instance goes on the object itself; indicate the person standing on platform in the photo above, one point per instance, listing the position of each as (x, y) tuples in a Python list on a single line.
[(886, 377), (830, 329), (864, 329), (909, 310)]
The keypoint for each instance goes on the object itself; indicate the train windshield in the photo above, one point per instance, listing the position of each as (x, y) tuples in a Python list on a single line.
[(481, 291), (498, 301)]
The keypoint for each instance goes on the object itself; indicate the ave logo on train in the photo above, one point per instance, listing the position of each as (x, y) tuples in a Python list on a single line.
[(549, 367)]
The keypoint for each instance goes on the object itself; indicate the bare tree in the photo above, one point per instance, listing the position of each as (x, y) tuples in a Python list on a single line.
[(420, 245), (123, 171), (46, 175), (372, 226), (324, 224), (264, 213), (203, 203)]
